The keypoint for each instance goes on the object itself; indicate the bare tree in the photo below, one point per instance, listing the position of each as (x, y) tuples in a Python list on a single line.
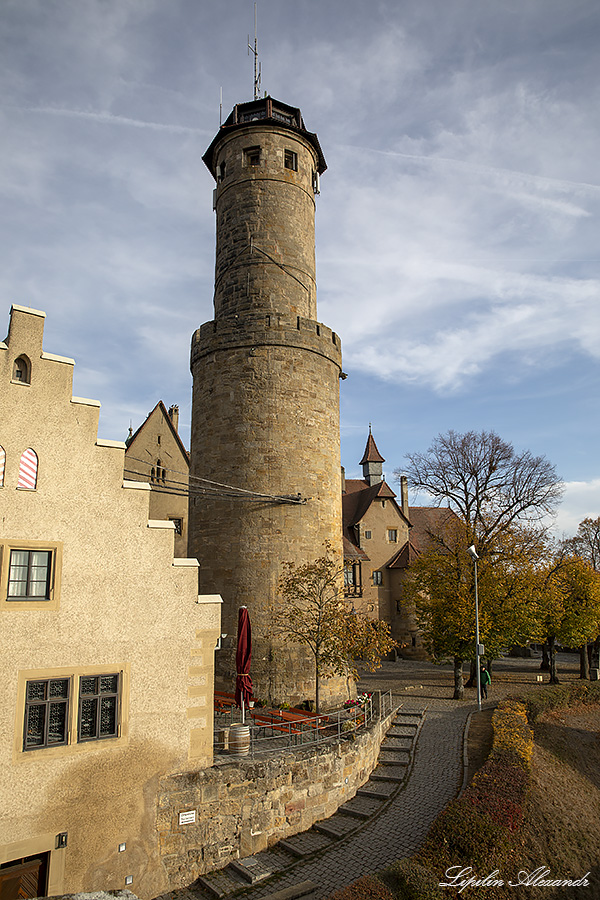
[(486, 482), (499, 497)]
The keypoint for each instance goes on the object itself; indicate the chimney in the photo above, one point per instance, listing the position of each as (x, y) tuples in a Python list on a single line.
[(404, 495), (174, 416)]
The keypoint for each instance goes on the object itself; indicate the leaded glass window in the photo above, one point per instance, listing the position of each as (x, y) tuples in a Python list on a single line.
[(98, 707), (46, 713)]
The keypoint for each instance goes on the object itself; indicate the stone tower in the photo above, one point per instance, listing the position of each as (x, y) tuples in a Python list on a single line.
[(265, 408)]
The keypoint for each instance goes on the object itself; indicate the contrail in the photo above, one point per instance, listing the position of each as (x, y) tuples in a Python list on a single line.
[(110, 119)]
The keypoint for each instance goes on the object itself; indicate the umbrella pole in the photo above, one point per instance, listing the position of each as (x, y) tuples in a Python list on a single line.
[(243, 714)]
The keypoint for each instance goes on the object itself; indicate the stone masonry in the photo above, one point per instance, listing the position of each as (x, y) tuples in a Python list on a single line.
[(245, 805), (265, 409)]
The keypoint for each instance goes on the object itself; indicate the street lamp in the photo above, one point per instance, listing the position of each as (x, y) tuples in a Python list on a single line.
[(473, 554)]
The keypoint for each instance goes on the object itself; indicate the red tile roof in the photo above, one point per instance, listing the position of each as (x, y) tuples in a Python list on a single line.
[(371, 453)]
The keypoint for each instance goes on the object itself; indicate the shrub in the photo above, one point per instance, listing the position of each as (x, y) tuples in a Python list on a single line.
[(560, 695), (369, 887), (411, 881)]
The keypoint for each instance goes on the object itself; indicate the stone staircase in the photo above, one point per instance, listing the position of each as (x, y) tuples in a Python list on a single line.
[(388, 777)]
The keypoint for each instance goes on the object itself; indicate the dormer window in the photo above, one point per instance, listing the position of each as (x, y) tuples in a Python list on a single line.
[(252, 156), (22, 370)]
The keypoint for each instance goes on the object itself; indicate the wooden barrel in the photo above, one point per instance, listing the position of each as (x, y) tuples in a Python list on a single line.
[(239, 740)]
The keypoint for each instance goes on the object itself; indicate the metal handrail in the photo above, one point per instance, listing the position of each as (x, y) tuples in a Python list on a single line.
[(281, 734)]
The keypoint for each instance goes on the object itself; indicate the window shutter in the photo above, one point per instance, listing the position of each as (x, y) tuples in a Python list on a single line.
[(28, 468)]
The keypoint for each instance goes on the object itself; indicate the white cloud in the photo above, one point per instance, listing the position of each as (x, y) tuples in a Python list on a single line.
[(581, 499)]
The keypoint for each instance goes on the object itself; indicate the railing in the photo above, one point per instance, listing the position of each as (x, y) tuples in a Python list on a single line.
[(271, 731)]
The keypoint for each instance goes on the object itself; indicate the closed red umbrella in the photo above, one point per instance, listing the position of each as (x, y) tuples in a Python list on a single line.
[(243, 655)]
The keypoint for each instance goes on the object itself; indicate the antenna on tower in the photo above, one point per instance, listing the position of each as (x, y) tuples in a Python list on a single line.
[(254, 51), (220, 107)]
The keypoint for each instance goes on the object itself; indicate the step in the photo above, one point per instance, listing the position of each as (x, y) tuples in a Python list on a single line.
[(220, 883), (381, 794), (402, 731), (250, 869), (391, 779), (304, 843), (396, 743), (407, 719), (391, 771), (337, 826), (276, 858), (393, 757), (361, 807), (300, 889)]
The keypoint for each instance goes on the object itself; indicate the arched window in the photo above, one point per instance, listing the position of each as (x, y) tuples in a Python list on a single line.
[(2, 465), (22, 370), (28, 470)]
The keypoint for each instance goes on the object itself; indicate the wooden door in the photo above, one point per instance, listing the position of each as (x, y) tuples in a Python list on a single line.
[(24, 878)]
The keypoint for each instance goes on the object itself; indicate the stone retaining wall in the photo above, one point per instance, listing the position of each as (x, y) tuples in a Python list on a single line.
[(244, 806)]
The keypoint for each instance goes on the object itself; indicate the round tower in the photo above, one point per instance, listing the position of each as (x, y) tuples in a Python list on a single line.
[(265, 407)]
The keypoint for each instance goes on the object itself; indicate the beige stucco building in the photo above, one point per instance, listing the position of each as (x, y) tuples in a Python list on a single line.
[(108, 651), (383, 535), (156, 454)]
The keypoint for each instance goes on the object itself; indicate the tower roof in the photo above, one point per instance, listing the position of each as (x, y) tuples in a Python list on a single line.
[(371, 453), (265, 109)]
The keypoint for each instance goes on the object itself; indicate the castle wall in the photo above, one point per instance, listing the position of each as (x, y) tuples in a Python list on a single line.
[(245, 806)]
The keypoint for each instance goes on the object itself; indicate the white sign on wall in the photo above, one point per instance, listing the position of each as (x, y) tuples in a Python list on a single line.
[(188, 817)]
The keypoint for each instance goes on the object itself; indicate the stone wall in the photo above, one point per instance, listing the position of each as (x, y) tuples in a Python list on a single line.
[(244, 806)]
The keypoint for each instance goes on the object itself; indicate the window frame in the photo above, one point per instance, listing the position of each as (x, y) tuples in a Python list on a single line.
[(291, 157), (394, 532), (377, 576), (52, 599), (98, 695), (29, 580), (45, 704), (71, 745), (251, 153)]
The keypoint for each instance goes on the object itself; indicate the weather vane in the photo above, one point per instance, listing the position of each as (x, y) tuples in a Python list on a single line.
[(254, 51)]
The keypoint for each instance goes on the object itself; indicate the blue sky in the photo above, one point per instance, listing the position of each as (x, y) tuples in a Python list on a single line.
[(457, 227)]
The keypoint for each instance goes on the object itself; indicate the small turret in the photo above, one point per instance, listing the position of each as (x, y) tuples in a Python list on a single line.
[(372, 462)]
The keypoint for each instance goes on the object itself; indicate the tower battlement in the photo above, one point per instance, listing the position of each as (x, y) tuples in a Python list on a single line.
[(272, 331)]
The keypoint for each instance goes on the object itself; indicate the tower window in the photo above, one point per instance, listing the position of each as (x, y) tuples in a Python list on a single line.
[(220, 172), (290, 160), (252, 156)]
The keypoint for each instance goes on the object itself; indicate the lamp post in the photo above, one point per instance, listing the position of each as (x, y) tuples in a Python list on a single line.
[(473, 554)]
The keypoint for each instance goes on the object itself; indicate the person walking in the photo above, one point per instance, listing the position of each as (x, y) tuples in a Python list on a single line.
[(485, 678)]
